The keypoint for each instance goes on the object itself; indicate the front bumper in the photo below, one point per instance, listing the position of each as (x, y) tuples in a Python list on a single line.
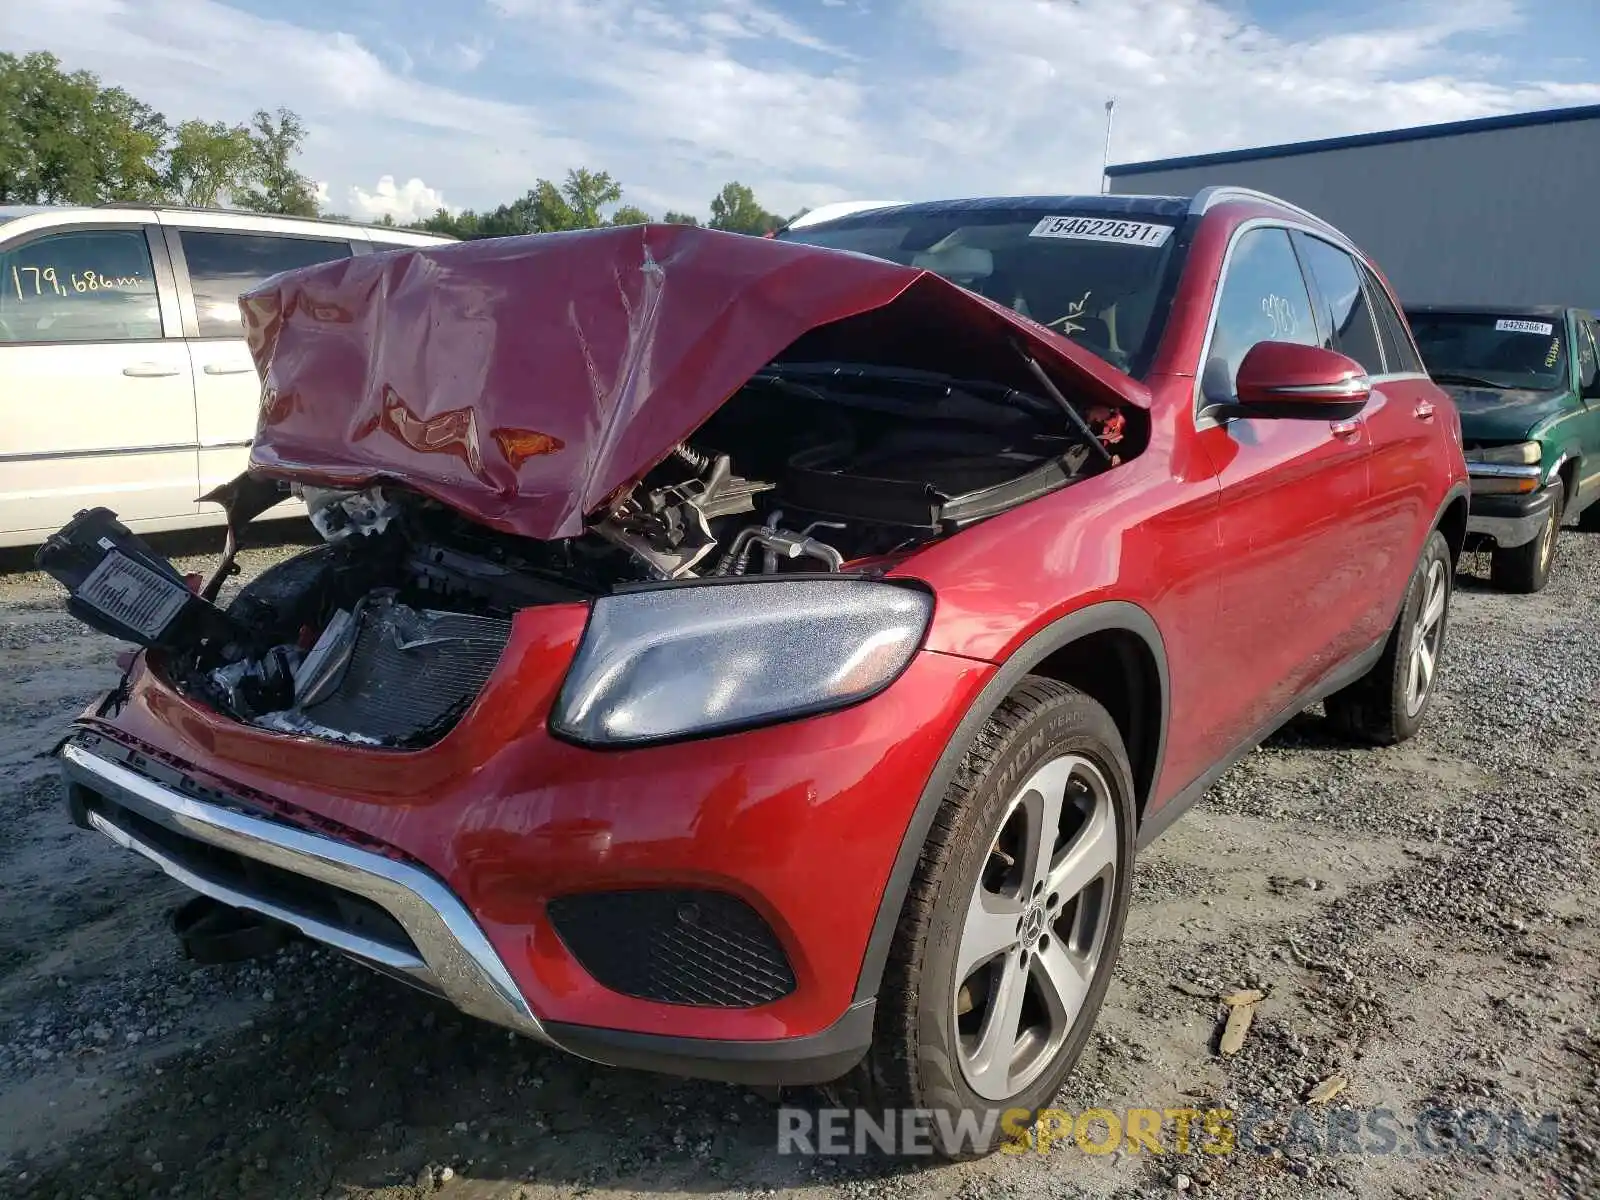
[(456, 853), (1509, 520)]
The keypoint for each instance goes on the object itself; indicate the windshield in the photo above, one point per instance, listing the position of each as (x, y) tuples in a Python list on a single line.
[(1096, 278), (1507, 352)]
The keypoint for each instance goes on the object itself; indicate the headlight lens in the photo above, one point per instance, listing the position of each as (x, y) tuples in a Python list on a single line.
[(1523, 454), (678, 661)]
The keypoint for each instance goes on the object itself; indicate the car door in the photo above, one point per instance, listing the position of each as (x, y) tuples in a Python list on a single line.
[(1294, 539), (96, 396), (213, 267), (1586, 366), (1402, 415)]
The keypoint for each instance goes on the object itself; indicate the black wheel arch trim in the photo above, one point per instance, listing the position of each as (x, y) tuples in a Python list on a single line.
[(1106, 616)]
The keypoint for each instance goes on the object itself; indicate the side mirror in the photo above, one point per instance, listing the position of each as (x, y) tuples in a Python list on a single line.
[(1282, 379)]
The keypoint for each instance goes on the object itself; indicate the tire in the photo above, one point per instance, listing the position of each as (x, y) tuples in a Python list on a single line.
[(1526, 568), (1381, 707), (925, 1056)]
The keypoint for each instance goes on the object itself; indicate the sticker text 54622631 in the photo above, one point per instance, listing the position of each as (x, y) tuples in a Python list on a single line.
[(1104, 229)]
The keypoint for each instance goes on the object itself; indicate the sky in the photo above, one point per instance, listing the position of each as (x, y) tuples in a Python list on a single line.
[(414, 104)]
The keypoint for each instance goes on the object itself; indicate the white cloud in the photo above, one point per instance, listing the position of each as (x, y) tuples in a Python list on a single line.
[(676, 97), (408, 202)]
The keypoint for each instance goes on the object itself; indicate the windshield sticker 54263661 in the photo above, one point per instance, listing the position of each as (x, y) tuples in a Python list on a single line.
[(1103, 229), (1506, 325)]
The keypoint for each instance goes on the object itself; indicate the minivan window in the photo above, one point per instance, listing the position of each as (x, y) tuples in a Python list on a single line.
[(1263, 299), (224, 264), (89, 285), (1343, 303)]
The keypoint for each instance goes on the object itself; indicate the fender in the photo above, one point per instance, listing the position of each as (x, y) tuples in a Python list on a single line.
[(1096, 618)]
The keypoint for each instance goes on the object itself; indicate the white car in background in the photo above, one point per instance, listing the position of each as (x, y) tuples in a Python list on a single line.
[(124, 377)]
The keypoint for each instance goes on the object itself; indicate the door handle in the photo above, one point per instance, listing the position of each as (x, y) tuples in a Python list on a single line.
[(1423, 411), (224, 369), (1348, 430), (149, 370)]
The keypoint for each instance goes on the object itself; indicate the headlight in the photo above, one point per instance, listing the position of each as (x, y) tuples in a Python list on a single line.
[(1524, 454), (678, 661)]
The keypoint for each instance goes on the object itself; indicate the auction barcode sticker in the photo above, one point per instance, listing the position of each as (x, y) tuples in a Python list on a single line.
[(1543, 328), (1103, 229)]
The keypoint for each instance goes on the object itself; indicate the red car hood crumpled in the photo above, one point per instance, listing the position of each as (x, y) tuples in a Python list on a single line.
[(525, 380)]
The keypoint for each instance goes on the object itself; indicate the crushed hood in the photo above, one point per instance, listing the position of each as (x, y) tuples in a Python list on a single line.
[(526, 380)]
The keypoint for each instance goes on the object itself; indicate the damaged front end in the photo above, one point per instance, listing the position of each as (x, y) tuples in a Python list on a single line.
[(850, 445)]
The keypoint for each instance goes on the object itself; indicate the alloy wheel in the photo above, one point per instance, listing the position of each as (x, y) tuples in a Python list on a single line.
[(1426, 636), (1547, 537), (1035, 927)]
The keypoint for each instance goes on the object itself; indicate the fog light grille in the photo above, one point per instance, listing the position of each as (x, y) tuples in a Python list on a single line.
[(708, 949)]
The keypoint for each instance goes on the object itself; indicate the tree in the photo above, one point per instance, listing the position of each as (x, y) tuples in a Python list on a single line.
[(277, 186), (630, 214), (734, 209), (64, 139), (678, 218), (206, 162)]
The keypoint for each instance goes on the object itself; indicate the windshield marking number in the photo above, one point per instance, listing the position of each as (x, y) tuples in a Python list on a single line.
[(1103, 229), (1543, 328)]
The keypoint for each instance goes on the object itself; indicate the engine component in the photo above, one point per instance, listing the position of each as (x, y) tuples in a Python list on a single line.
[(119, 586), (389, 674), (668, 528), (779, 544)]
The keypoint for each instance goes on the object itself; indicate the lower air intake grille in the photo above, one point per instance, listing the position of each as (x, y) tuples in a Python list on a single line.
[(678, 947), (411, 673)]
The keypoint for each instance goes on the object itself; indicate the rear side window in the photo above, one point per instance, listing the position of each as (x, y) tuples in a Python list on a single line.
[(1263, 299), (222, 265), (91, 285), (1398, 350), (1342, 303)]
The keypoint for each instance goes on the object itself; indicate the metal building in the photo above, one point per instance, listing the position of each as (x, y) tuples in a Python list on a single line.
[(1502, 210)]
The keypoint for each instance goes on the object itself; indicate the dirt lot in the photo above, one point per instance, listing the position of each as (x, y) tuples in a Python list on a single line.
[(1421, 919)]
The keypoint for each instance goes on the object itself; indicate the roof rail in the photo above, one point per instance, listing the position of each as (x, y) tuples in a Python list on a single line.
[(250, 212), (1208, 198)]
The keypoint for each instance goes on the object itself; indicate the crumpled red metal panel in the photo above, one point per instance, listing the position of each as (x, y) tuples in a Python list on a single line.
[(525, 380)]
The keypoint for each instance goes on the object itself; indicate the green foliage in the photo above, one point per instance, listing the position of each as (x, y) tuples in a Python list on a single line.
[(630, 214), (273, 185), (205, 162), (66, 139), (678, 218), (734, 209)]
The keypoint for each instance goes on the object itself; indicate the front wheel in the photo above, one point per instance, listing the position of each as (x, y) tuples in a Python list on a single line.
[(1526, 568), (1387, 704), (1014, 918)]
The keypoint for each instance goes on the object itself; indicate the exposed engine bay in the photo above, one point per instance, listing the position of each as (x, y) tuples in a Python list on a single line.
[(387, 633)]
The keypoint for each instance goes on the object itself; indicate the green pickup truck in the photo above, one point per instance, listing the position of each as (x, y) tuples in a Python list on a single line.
[(1527, 385)]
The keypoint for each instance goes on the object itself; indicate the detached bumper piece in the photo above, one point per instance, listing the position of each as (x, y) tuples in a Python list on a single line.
[(394, 917), (1509, 520), (677, 947)]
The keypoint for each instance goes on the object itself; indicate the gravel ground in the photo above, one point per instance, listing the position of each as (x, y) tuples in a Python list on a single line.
[(1419, 920)]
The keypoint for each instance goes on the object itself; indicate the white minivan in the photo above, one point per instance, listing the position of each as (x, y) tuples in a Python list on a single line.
[(124, 376)]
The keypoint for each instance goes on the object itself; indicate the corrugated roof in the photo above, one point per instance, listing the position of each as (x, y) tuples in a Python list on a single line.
[(1549, 116)]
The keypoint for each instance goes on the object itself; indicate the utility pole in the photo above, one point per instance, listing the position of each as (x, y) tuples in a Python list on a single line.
[(1105, 159)]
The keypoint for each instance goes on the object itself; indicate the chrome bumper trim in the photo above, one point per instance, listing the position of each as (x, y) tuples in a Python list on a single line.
[(456, 959)]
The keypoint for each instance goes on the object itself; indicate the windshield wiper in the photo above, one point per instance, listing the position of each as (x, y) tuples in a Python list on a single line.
[(1466, 380)]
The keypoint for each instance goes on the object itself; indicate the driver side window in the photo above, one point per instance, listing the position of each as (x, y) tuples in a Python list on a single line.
[(1263, 299)]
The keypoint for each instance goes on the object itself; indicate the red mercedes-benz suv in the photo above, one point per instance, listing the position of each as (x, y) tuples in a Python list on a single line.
[(761, 659)]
